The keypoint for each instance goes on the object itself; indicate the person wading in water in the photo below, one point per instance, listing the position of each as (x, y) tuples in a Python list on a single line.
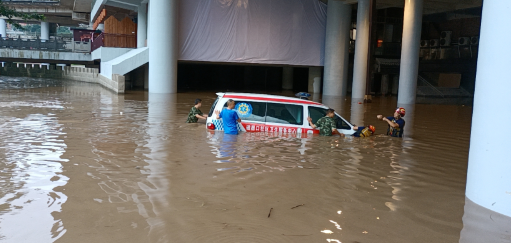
[(325, 124), (364, 131), (396, 122), (196, 114), (230, 118)]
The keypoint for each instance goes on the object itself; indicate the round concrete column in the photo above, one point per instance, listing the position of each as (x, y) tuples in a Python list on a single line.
[(337, 42), (148, 22), (361, 50), (314, 80), (163, 51), (412, 25), (142, 25), (357, 114), (3, 26), (488, 179), (287, 78), (45, 31)]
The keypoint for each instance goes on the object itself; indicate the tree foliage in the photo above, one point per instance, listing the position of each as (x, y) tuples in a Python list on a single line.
[(10, 13)]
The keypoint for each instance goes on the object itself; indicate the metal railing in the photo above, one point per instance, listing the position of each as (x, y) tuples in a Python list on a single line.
[(53, 2), (46, 45), (37, 35)]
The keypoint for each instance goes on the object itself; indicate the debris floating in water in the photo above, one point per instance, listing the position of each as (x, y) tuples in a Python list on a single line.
[(270, 212), (297, 206)]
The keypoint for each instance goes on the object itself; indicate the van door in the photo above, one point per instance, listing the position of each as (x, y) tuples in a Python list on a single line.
[(341, 124), (284, 118)]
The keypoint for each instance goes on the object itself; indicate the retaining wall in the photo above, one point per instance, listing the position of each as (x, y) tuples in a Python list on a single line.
[(89, 75)]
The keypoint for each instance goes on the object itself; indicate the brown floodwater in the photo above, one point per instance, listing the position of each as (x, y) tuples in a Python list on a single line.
[(81, 164)]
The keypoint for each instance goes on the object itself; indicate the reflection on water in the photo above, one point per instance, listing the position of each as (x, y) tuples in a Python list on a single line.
[(17, 83), (84, 165), (483, 225), (32, 145)]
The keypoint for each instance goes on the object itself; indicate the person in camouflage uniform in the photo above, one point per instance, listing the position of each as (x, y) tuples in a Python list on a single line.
[(325, 124), (195, 113)]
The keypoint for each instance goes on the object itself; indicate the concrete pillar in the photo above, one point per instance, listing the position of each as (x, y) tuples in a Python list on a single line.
[(488, 180), (164, 50), (384, 84), (337, 42), (3, 26), (357, 114), (314, 80), (146, 76), (142, 25), (410, 47), (361, 50), (45, 31), (148, 22), (287, 78), (340, 104), (395, 84), (409, 120)]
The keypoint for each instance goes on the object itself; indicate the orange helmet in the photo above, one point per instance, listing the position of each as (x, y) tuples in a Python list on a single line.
[(401, 111), (372, 128)]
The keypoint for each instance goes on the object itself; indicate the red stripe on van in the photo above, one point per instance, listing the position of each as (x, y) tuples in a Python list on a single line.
[(271, 99)]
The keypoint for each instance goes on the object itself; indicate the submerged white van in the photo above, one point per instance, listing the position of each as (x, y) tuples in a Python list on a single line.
[(273, 113)]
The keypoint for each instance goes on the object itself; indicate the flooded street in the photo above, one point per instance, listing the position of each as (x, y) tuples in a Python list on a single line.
[(81, 164)]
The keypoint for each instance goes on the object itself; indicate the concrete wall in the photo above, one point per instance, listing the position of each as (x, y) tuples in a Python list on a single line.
[(106, 54), (11, 70), (125, 63), (89, 75)]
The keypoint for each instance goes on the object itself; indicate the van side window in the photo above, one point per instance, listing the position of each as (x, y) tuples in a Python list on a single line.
[(316, 112), (284, 113), (250, 110)]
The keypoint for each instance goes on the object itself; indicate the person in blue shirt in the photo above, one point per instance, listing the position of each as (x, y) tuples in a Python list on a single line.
[(396, 122), (229, 117)]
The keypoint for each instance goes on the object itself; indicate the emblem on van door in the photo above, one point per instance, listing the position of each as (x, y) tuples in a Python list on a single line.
[(244, 109)]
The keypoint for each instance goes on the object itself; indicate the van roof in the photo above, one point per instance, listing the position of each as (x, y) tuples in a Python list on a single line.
[(267, 97)]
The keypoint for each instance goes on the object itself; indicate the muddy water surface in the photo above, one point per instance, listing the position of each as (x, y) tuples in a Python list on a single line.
[(80, 164)]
